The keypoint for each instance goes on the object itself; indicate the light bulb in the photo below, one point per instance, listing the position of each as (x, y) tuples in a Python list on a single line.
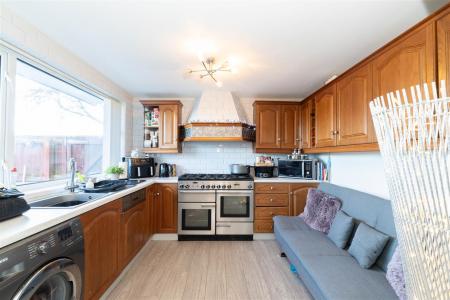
[(219, 83)]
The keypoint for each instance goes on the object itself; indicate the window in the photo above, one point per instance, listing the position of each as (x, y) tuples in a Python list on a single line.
[(54, 121)]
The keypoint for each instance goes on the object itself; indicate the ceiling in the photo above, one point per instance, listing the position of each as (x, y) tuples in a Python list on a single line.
[(281, 48)]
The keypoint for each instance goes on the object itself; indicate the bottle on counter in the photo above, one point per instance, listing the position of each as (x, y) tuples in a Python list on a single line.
[(13, 178), (124, 165)]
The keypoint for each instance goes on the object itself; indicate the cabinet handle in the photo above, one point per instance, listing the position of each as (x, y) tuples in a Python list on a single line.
[(278, 139), (271, 187), (271, 199)]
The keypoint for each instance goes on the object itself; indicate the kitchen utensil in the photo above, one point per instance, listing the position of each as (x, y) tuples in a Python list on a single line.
[(238, 169)]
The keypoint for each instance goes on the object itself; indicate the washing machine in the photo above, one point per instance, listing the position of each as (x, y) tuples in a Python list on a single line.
[(48, 265)]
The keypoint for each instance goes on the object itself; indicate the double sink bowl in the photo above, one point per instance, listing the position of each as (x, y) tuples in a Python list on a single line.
[(79, 198)]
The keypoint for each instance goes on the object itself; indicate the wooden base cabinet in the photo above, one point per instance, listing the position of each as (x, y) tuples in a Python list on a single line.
[(297, 196), (133, 228), (166, 208), (278, 199), (101, 228)]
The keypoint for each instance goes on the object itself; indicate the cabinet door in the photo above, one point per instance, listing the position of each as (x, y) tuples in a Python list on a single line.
[(443, 46), (133, 232), (168, 127), (298, 193), (289, 126), (167, 208), (101, 243), (410, 61), (354, 121), (305, 124), (326, 117), (268, 126), (151, 210)]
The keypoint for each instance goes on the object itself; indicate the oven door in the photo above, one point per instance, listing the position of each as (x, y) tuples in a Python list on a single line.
[(197, 218), (234, 206)]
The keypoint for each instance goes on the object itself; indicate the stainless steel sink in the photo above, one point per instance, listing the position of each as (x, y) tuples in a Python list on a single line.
[(68, 200)]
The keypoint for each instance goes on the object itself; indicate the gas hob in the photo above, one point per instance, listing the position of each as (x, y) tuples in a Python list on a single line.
[(215, 182)]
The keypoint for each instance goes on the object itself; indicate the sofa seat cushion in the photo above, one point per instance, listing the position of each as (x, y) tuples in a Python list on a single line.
[(341, 277), (304, 240)]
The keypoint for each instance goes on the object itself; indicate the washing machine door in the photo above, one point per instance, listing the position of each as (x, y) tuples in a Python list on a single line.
[(58, 280)]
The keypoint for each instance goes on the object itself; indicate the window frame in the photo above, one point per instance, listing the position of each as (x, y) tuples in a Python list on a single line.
[(9, 56)]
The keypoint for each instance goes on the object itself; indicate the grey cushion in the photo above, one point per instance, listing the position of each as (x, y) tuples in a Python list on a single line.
[(370, 209), (341, 277), (341, 229), (299, 236), (367, 245)]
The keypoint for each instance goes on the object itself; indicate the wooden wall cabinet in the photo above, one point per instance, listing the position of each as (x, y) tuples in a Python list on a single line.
[(443, 48), (101, 228), (168, 127), (407, 62), (325, 110), (354, 120), (305, 123), (166, 208), (277, 126)]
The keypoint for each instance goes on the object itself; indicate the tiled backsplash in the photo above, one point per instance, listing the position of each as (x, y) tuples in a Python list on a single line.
[(211, 157)]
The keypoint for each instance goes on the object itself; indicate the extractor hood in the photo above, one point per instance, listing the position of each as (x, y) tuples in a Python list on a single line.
[(218, 116)]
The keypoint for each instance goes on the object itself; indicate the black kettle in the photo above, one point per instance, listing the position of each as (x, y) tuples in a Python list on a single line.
[(164, 170)]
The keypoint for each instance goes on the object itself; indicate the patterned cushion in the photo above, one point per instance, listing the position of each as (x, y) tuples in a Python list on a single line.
[(395, 275), (320, 210)]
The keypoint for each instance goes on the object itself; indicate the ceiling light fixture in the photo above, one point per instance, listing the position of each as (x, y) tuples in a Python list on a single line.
[(210, 69)]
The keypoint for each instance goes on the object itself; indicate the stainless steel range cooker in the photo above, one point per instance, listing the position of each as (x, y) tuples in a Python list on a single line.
[(215, 206)]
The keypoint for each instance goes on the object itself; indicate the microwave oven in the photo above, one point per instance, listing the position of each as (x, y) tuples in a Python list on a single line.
[(297, 168)]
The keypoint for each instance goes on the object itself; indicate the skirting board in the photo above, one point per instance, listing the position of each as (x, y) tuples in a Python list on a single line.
[(174, 237), (263, 236), (165, 237)]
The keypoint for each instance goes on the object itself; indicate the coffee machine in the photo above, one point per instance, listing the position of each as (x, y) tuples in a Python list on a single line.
[(141, 167)]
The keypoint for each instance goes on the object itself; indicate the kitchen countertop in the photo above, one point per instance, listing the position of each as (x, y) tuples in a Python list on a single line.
[(38, 219), (284, 180)]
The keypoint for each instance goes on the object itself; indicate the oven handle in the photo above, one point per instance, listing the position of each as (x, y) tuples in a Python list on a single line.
[(211, 205), (196, 191), (243, 192), (222, 225)]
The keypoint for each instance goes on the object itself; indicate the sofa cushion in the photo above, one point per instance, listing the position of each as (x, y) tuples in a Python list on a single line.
[(395, 275), (370, 209), (341, 229), (320, 210), (341, 277), (303, 240), (367, 245)]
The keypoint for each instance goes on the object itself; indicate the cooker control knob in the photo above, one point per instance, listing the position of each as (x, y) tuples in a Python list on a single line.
[(186, 186), (181, 186), (250, 186), (213, 186), (42, 248), (202, 186), (224, 186), (229, 186), (207, 186)]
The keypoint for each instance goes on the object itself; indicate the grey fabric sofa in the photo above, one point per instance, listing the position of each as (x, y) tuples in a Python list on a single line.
[(328, 271)]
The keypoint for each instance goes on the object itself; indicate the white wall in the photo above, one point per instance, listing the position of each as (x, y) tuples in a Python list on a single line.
[(360, 171), (25, 36)]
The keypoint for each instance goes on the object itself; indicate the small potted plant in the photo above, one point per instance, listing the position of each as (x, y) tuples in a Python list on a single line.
[(114, 172)]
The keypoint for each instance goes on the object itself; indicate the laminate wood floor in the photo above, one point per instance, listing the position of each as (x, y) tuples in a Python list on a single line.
[(210, 270)]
